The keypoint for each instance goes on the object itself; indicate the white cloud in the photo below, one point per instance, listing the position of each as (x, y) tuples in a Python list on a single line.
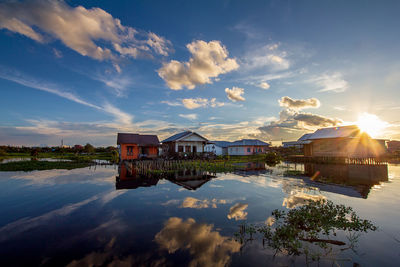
[(119, 84), (57, 53), (208, 61), (193, 103), (83, 30), (264, 85), (172, 103), (292, 124), (27, 81), (331, 82), (268, 56), (235, 94), (121, 117), (298, 104), (189, 116)]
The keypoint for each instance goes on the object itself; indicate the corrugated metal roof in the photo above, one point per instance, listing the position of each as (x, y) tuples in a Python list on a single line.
[(221, 143), (176, 136), (294, 143), (129, 138), (336, 132), (181, 135), (249, 142), (305, 137)]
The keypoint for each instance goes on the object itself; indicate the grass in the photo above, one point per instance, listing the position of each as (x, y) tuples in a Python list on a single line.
[(42, 165), (57, 155), (293, 173)]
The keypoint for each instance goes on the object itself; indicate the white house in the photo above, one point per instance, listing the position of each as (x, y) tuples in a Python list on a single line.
[(217, 147), (247, 147), (185, 142)]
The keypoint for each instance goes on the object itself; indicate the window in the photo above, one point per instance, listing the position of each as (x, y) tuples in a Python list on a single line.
[(188, 149), (248, 149), (129, 151), (180, 148)]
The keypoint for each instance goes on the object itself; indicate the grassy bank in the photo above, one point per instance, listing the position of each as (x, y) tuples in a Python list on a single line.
[(56, 155), (42, 165)]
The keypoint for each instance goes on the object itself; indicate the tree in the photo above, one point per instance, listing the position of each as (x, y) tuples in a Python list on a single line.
[(2, 152), (34, 152), (89, 148)]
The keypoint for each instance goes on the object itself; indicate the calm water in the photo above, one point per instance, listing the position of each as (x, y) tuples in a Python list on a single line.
[(100, 217)]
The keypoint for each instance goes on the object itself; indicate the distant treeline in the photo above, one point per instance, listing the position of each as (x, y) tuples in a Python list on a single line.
[(88, 148)]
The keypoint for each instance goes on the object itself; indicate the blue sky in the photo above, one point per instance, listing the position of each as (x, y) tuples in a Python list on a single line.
[(84, 70)]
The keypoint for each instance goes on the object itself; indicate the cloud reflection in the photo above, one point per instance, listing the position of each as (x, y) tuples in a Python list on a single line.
[(194, 203), (207, 247), (82, 175), (238, 212), (22, 225), (300, 198)]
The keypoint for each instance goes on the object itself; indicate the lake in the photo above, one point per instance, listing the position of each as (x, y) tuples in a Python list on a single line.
[(103, 216)]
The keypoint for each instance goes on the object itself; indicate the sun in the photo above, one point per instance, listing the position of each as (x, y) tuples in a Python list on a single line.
[(371, 124)]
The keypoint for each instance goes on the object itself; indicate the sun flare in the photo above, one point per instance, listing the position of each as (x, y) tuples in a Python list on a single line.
[(371, 124)]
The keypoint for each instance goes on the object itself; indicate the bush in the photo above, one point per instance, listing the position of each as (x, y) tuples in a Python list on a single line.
[(272, 158), (3, 152)]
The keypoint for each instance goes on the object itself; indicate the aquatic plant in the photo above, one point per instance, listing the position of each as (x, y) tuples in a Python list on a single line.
[(3, 152), (317, 223), (42, 165), (272, 158)]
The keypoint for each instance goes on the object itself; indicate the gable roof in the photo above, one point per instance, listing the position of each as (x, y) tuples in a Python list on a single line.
[(249, 142), (179, 136), (221, 143), (129, 138), (305, 137), (350, 131)]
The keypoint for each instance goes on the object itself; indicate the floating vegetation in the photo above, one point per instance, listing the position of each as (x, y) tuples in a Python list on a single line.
[(310, 230), (272, 158), (163, 167), (33, 165), (293, 173)]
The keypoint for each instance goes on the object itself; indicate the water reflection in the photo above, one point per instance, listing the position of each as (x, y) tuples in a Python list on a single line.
[(251, 166), (296, 199), (190, 179), (238, 212), (77, 217), (206, 246), (358, 179)]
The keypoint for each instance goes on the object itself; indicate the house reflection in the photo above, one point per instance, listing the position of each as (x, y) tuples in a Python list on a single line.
[(190, 179), (360, 177), (251, 168), (129, 180)]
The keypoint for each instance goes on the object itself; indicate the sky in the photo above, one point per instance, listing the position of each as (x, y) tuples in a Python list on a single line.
[(82, 71)]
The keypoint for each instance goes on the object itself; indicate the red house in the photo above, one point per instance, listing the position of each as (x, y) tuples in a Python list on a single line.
[(136, 146)]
